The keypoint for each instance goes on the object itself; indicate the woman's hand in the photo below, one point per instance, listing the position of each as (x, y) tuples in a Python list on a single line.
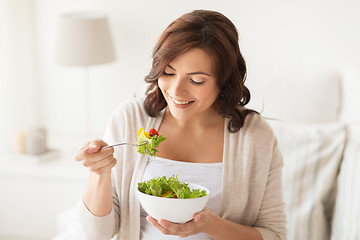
[(200, 223), (96, 160)]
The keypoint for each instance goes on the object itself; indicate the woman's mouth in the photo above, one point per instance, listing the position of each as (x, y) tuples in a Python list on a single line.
[(180, 102)]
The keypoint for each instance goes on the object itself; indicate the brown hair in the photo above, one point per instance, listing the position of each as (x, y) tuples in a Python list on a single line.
[(217, 35)]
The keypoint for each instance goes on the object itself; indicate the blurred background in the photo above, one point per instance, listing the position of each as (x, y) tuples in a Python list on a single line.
[(278, 38)]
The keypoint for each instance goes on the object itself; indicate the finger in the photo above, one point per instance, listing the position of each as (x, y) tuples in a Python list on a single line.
[(179, 229), (84, 152), (79, 155), (101, 155), (93, 148), (85, 146), (97, 160), (174, 227), (95, 145), (106, 168), (156, 224), (93, 166), (202, 215), (92, 143), (76, 153), (90, 153)]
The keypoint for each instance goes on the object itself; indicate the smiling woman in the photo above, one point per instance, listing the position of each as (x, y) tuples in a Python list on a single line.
[(196, 99)]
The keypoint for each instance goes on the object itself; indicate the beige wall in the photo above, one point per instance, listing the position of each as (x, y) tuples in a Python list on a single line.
[(275, 37)]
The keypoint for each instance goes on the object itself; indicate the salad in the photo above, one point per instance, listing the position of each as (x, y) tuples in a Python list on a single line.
[(148, 141), (169, 188)]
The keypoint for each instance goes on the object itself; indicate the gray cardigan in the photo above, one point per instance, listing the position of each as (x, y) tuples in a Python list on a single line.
[(252, 177)]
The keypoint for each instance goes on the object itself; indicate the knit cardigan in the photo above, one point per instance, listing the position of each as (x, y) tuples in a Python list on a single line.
[(251, 188)]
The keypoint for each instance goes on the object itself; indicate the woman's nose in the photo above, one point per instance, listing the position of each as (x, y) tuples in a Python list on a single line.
[(179, 86)]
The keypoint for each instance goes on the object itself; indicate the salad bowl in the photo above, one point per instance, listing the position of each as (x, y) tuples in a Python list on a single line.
[(176, 210)]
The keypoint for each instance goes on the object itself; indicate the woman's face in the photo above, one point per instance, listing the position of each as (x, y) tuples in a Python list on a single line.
[(189, 85)]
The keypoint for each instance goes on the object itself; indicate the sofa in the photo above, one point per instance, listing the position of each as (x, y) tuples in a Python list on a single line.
[(316, 118)]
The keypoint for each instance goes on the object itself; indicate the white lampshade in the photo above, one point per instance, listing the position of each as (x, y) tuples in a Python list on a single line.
[(84, 39)]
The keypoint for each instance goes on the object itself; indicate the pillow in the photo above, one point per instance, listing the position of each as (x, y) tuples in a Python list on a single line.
[(312, 156), (307, 97), (346, 221)]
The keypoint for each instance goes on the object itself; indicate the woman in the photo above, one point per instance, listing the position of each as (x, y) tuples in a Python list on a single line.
[(196, 99)]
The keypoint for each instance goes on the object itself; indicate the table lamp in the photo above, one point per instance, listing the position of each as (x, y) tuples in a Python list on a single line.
[(84, 39)]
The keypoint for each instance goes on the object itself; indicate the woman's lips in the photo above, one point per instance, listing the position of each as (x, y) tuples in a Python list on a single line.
[(180, 103)]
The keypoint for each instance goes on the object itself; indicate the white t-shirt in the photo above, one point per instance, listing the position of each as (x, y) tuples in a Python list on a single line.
[(208, 175)]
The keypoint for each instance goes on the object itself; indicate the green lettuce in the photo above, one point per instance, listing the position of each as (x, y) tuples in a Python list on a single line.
[(169, 187), (148, 146)]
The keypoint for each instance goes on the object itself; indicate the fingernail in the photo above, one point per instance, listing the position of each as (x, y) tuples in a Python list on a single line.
[(148, 219), (92, 149), (198, 217)]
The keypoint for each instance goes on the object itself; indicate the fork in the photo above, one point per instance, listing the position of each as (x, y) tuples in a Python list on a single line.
[(128, 144)]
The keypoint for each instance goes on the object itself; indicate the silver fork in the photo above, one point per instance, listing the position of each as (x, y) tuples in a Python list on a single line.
[(128, 144)]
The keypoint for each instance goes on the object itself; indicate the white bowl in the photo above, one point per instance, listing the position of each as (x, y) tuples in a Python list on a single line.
[(173, 209)]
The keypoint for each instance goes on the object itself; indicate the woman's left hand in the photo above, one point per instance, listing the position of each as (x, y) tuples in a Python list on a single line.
[(197, 225)]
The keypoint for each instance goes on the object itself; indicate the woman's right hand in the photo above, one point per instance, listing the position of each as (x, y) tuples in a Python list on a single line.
[(97, 161)]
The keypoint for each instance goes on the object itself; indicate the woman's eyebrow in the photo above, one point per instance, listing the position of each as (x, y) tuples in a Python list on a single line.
[(171, 67), (193, 73), (198, 73)]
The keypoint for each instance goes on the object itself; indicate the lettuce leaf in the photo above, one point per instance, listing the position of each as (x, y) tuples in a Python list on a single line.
[(169, 187), (149, 148)]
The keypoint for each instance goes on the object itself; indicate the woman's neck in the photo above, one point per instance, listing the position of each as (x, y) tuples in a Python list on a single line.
[(204, 120)]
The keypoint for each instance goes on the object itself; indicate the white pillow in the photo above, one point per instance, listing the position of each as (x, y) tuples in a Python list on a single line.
[(302, 97), (312, 156), (346, 221)]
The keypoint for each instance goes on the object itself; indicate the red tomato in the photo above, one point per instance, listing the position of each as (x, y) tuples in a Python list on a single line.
[(153, 132)]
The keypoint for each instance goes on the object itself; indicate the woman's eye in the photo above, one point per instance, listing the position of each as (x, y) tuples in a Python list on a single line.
[(196, 82), (168, 74)]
